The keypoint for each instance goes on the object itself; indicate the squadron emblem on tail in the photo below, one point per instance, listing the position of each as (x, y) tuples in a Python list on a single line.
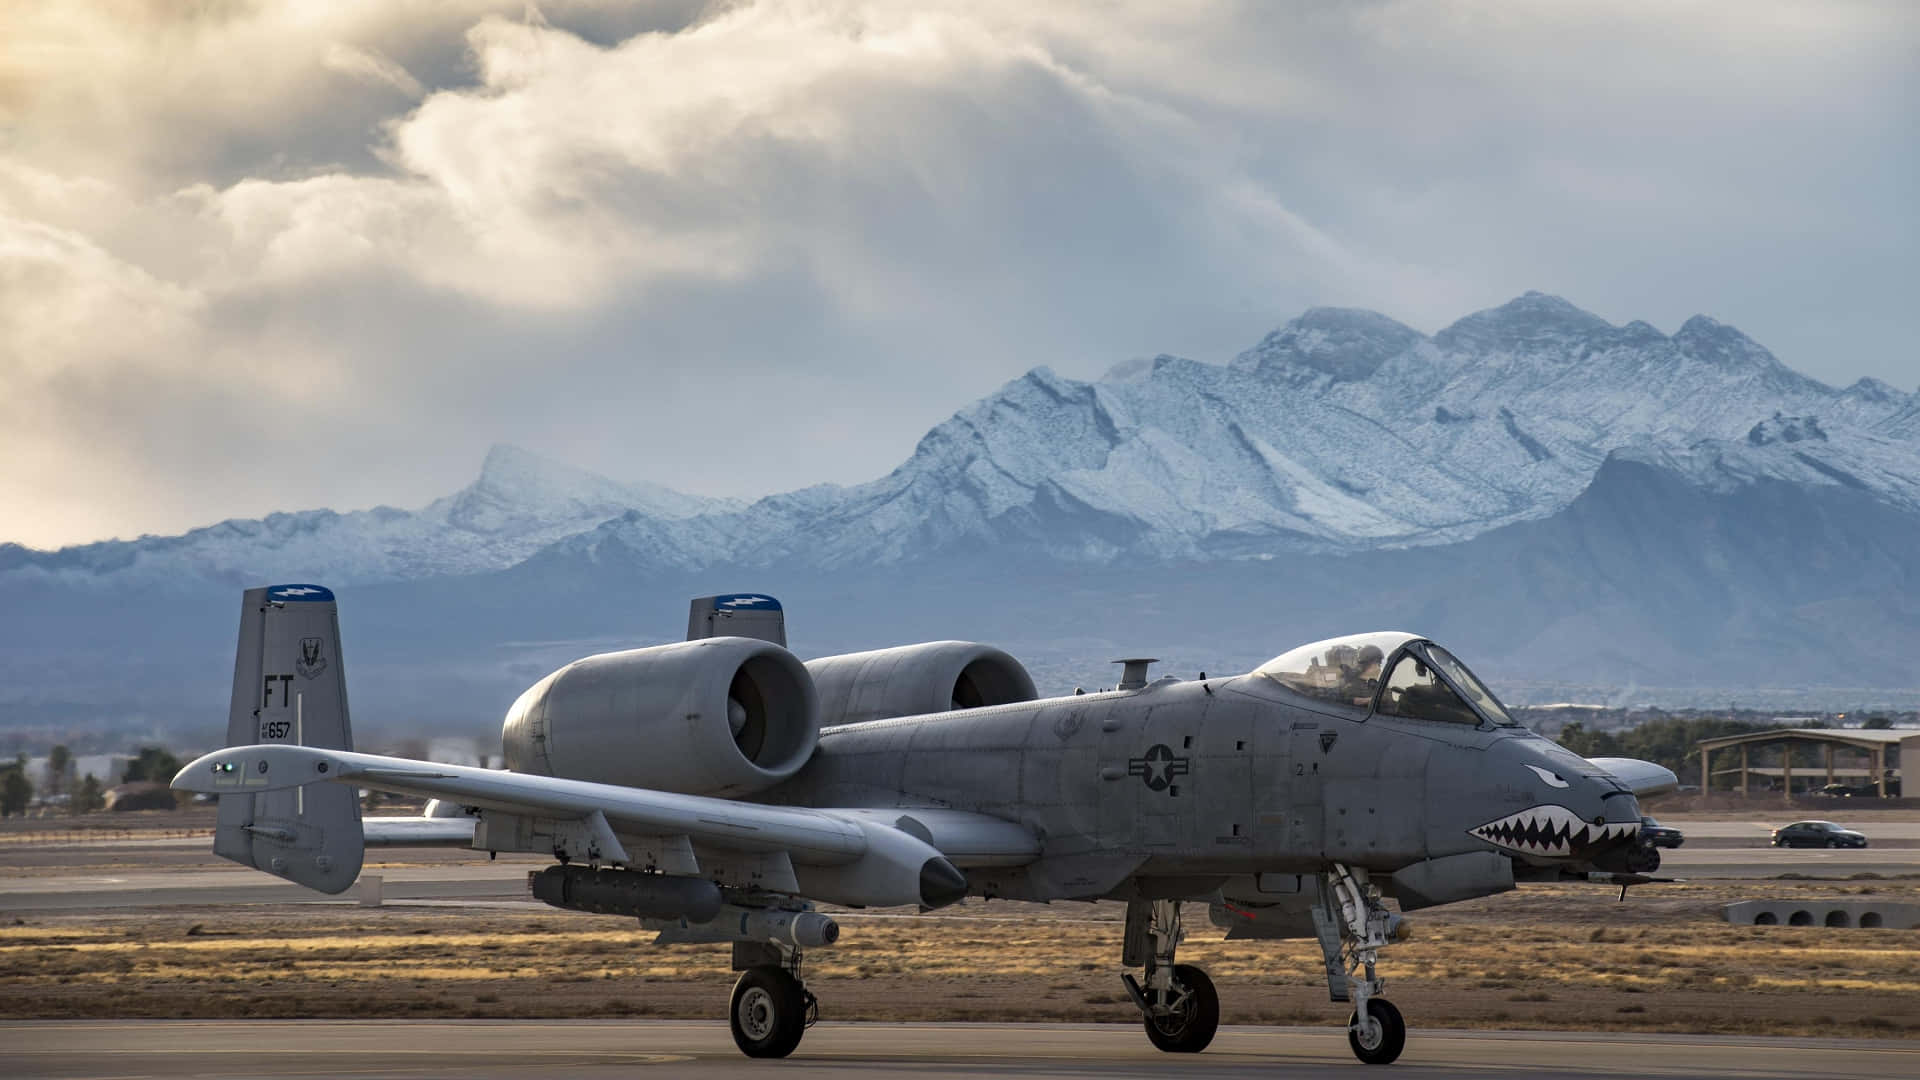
[(311, 663)]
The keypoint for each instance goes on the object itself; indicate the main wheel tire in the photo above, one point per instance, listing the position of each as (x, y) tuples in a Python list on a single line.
[(768, 1012), (1833, 843), (1385, 1036), (1196, 1014)]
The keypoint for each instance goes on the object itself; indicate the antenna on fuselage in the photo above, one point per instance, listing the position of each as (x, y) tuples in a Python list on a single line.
[(1133, 675)]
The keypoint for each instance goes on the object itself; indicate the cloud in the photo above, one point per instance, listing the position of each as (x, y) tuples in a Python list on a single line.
[(371, 67), (304, 243)]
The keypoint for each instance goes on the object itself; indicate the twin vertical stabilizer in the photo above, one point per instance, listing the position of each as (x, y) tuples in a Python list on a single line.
[(290, 688), (747, 615)]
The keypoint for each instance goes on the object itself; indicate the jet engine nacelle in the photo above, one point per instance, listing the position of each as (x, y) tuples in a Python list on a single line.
[(722, 716), (909, 680)]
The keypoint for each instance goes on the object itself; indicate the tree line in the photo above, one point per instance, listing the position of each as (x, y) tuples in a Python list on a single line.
[(85, 794)]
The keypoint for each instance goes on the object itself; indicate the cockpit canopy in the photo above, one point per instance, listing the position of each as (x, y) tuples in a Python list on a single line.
[(1343, 669), (1392, 673)]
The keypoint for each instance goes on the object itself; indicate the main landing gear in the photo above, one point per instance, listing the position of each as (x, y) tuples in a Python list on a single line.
[(1178, 1002), (1353, 926), (771, 1008)]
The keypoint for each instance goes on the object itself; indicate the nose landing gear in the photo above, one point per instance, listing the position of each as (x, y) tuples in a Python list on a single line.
[(1379, 1038), (1353, 926)]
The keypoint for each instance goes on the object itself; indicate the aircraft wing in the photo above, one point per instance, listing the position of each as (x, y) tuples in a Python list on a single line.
[(1644, 778), (827, 838)]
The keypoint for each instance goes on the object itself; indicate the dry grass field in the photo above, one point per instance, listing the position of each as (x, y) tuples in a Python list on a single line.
[(1543, 957)]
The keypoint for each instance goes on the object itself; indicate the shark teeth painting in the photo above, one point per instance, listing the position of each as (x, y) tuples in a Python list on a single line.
[(1552, 831)]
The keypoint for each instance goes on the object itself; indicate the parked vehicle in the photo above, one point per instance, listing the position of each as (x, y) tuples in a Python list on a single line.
[(1817, 834), (1865, 790), (1654, 834)]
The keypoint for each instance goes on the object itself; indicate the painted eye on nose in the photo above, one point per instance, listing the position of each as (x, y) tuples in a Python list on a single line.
[(1548, 776)]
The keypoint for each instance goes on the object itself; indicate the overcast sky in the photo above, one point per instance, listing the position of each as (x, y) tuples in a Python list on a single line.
[(275, 256)]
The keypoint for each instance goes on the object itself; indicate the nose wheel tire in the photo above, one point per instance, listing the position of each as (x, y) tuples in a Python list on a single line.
[(768, 1013), (1195, 1016), (1384, 1035)]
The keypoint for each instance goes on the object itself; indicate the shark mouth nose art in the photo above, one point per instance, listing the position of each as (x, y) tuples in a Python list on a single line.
[(1552, 830)]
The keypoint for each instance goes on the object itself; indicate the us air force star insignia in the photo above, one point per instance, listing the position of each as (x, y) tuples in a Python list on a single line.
[(311, 663), (1158, 767), (1327, 739)]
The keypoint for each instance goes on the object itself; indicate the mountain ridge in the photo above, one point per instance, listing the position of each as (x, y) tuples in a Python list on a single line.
[(1341, 431), (518, 504)]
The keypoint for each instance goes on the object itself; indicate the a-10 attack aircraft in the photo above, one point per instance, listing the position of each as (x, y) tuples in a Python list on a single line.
[(717, 788)]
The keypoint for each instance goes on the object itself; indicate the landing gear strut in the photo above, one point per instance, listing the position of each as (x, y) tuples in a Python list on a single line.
[(771, 1007), (1353, 926), (1178, 1002)]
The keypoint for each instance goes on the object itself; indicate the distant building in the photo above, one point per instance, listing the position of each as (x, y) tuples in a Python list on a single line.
[(106, 768), (1862, 760)]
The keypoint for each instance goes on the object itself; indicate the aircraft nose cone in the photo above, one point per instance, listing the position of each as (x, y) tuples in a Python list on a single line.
[(941, 883)]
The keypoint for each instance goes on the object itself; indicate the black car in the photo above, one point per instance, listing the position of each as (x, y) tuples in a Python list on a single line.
[(1817, 834), (1654, 834)]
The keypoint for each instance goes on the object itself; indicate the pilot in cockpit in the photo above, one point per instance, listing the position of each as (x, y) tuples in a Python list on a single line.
[(1347, 671), (1364, 679)]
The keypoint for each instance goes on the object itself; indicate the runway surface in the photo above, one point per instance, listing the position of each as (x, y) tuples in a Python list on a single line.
[(1757, 830), (93, 889), (478, 1050), (1767, 862)]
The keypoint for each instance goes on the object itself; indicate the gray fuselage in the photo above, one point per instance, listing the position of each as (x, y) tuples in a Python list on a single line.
[(1197, 779)]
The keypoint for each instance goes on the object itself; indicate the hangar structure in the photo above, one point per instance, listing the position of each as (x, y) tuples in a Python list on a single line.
[(1868, 758)]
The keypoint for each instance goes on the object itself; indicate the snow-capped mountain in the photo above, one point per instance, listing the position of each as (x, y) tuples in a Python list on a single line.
[(1579, 508), (519, 504), (1342, 431)]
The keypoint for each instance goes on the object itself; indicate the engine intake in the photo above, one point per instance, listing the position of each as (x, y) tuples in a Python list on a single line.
[(721, 716), (909, 680)]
